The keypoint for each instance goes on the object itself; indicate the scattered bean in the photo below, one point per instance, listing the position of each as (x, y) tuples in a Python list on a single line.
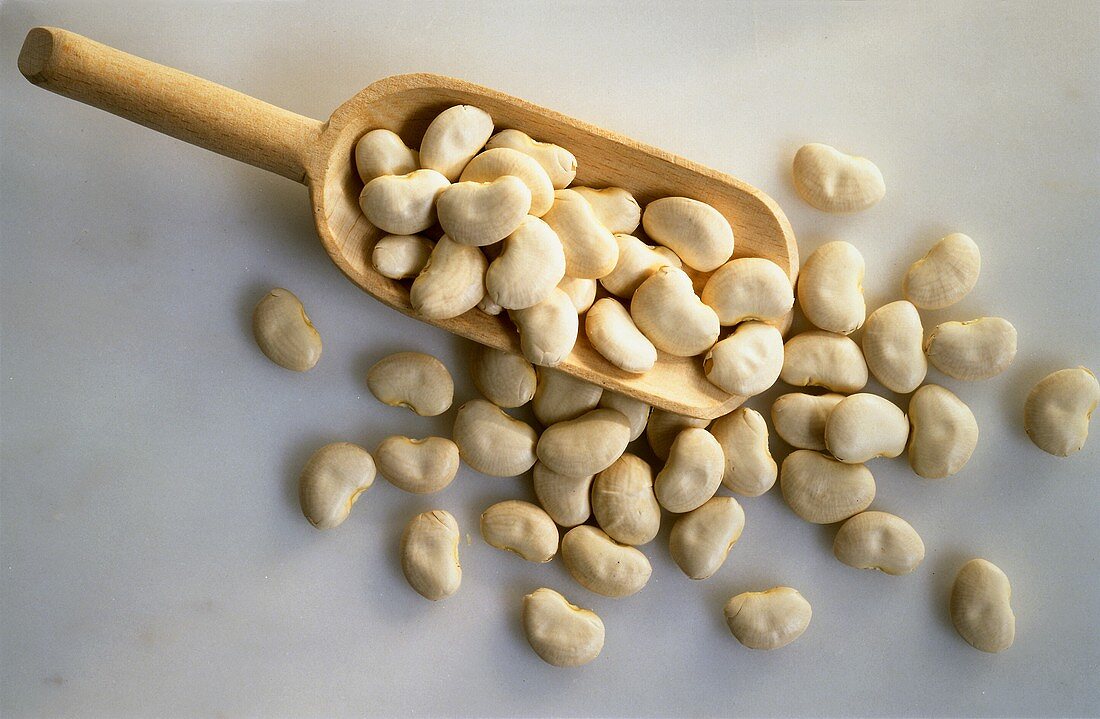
[(830, 288), (822, 490), (945, 275), (944, 432), (623, 501), (429, 554), (824, 359), (799, 419), (585, 445), (879, 540), (503, 378), (865, 426), (747, 362), (980, 606), (601, 565), (562, 634), (332, 480), (565, 499), (692, 473), (702, 539), (833, 181), (522, 528), (284, 332), (768, 620), (749, 468), (493, 442), (1058, 410), (420, 466), (413, 380), (892, 338), (972, 350)]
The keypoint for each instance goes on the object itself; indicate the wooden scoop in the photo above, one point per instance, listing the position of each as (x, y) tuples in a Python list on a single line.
[(320, 156)]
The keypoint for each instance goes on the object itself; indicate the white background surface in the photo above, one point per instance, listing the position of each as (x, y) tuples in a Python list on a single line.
[(154, 559)]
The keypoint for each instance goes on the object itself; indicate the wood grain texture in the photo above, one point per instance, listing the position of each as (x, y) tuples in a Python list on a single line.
[(321, 156)]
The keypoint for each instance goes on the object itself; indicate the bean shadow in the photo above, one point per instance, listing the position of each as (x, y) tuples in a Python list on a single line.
[(942, 577)]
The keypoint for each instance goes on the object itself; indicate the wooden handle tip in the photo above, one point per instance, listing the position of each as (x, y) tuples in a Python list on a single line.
[(35, 56)]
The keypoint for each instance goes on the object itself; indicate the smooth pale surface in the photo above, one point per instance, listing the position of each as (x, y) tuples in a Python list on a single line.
[(139, 423)]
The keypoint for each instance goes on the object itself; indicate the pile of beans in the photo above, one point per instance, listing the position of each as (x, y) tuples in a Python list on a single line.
[(516, 239)]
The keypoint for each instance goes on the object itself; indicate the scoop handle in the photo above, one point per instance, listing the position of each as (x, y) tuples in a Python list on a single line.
[(186, 107)]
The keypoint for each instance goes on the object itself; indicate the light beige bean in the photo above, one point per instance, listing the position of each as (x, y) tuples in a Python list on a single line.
[(582, 292), (667, 311), (420, 466), (382, 152), (768, 620), (663, 428), (585, 445), (799, 419), (601, 565), (692, 473), (401, 256), (865, 426), (501, 161), (824, 359), (562, 634), (981, 608), (613, 334), (482, 213), (429, 554), (451, 283), (493, 442), (749, 288), (615, 208), (548, 330), (694, 230), (821, 490), (590, 249), (972, 350), (332, 480), (749, 468), (1058, 410), (623, 501), (489, 307), (892, 346), (522, 528), (879, 540), (833, 181), (748, 361), (635, 410), (413, 380), (560, 396), (702, 539), (830, 288), (945, 275), (530, 267), (565, 499), (402, 204), (944, 432), (560, 164), (453, 138), (636, 262), (284, 332), (503, 378)]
